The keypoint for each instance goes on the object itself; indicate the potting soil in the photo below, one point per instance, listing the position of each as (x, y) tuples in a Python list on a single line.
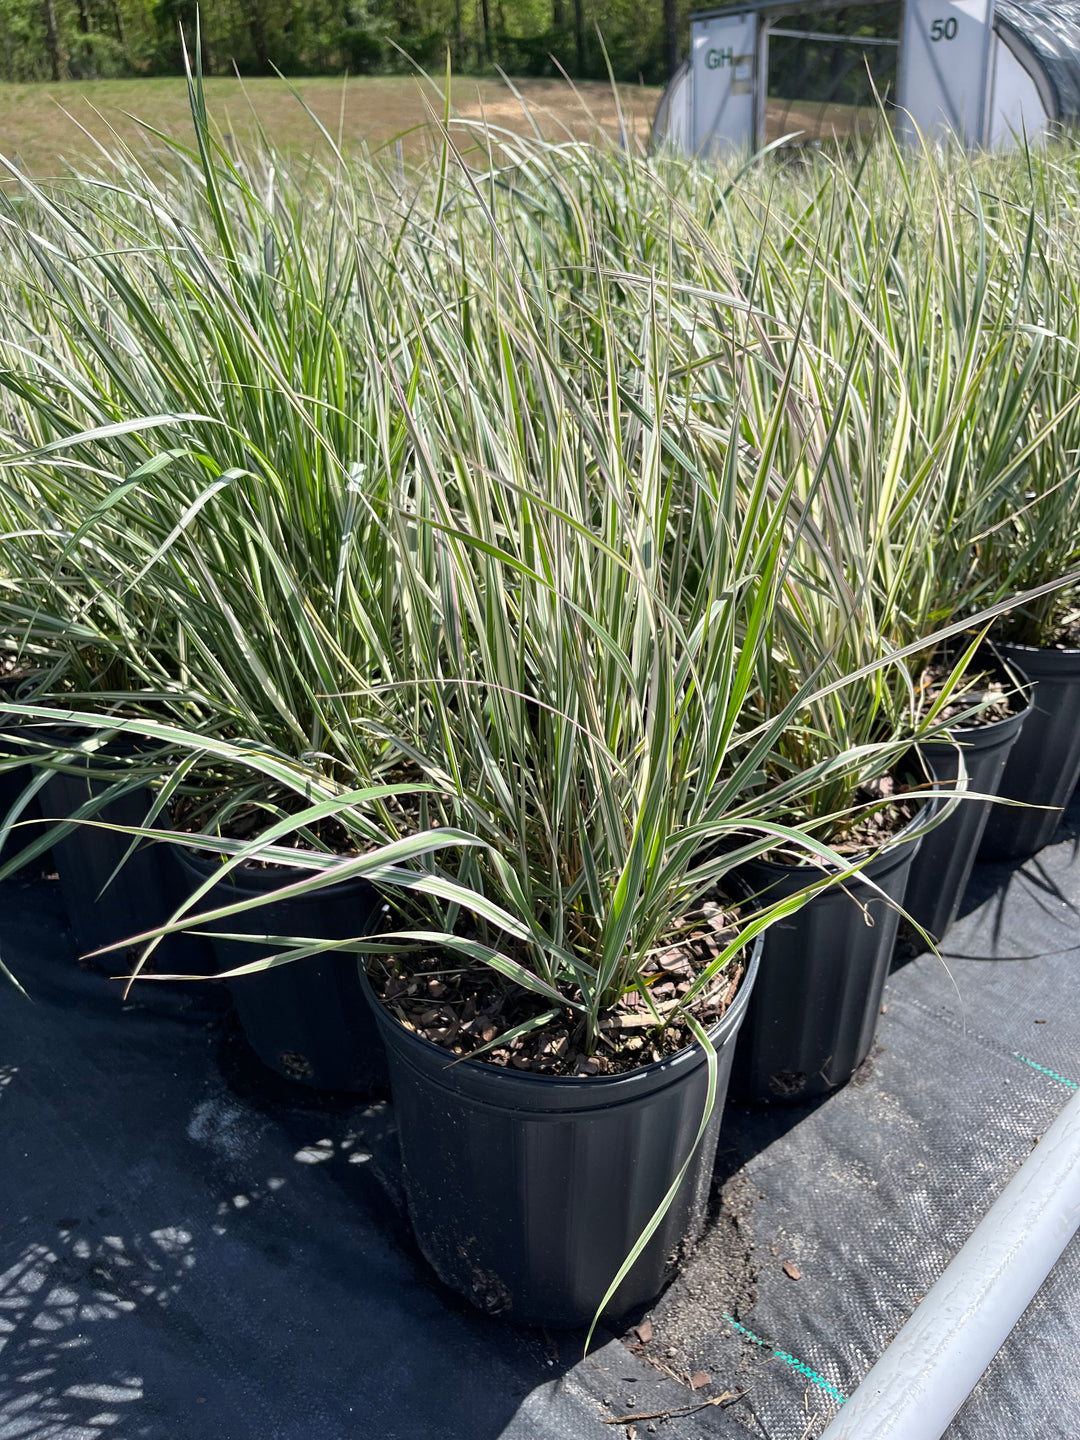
[(192, 1249)]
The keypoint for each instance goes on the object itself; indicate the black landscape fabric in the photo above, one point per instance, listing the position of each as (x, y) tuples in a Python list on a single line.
[(193, 1250)]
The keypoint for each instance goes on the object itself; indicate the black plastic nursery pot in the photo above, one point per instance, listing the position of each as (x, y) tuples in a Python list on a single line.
[(145, 890), (943, 865), (812, 1017), (12, 784), (308, 1020), (527, 1192), (1044, 765), (14, 781)]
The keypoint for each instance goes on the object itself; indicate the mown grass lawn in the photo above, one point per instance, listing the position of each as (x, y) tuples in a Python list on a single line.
[(40, 124)]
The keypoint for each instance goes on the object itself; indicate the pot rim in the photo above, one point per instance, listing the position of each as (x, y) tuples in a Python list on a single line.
[(1039, 649), (63, 739), (914, 830), (203, 863), (656, 1070), (962, 732), (1061, 665), (1025, 686)]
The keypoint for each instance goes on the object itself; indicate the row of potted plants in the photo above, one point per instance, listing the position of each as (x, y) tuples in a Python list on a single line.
[(541, 584)]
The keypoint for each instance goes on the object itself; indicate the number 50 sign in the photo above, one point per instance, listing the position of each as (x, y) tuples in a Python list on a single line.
[(944, 65)]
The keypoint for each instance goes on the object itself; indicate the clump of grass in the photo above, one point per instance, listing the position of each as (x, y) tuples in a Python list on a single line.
[(378, 484)]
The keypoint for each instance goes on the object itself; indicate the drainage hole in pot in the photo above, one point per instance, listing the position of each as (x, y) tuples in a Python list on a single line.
[(488, 1292), (295, 1066), (787, 1083)]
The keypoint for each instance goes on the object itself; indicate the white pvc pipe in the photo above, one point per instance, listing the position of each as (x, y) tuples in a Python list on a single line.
[(935, 1362)]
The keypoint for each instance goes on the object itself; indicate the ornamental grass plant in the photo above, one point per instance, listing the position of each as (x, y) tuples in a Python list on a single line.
[(912, 281), (374, 503), (957, 278), (1031, 535), (197, 509)]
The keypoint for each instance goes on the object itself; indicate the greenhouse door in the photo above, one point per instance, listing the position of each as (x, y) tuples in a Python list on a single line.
[(826, 69)]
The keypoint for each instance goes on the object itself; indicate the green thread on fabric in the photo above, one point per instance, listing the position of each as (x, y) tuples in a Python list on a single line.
[(797, 1365), (1072, 1084)]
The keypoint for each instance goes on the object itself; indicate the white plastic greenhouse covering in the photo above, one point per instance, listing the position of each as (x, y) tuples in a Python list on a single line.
[(990, 72)]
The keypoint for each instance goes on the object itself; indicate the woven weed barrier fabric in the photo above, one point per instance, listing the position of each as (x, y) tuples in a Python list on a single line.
[(193, 1250)]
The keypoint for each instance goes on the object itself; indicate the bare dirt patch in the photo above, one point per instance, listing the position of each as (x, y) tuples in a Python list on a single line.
[(40, 123), (719, 1278)]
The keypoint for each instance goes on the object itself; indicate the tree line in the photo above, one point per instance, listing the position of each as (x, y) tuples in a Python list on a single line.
[(92, 39)]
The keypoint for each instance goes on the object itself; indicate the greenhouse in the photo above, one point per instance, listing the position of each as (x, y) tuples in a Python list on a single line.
[(770, 70)]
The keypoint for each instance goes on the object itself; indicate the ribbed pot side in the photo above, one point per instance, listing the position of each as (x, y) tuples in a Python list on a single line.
[(527, 1192), (1044, 765), (104, 907), (13, 782), (942, 868), (308, 1020), (814, 1011)]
